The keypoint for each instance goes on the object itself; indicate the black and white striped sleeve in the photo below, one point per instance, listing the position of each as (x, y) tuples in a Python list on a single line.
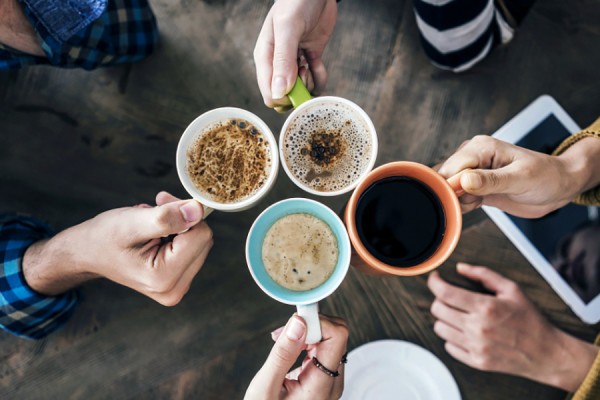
[(456, 34)]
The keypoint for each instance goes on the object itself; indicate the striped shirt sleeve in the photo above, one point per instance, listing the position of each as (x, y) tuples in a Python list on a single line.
[(457, 34), (24, 312)]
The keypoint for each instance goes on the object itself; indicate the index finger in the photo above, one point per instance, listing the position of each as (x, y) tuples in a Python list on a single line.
[(263, 60), (451, 295)]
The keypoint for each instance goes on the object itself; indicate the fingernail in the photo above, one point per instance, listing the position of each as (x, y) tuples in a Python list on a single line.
[(191, 211), (473, 181), (277, 332), (461, 266), (295, 329), (278, 88)]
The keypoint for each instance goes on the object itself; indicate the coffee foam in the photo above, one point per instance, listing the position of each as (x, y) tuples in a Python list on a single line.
[(229, 161), (300, 251), (334, 119)]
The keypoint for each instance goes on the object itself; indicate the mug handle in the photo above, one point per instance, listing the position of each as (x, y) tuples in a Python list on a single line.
[(299, 93), (207, 211), (310, 313)]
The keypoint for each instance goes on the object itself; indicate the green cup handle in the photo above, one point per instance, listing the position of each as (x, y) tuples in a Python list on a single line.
[(299, 93)]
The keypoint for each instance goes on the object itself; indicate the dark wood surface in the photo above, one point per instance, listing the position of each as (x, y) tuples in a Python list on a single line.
[(75, 143)]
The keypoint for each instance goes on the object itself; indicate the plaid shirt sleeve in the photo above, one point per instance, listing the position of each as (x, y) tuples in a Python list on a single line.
[(124, 31), (24, 312)]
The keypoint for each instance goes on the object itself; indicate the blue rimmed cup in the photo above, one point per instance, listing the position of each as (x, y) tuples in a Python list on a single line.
[(306, 301)]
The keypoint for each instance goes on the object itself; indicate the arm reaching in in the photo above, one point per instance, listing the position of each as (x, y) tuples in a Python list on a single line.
[(16, 31), (128, 246), (522, 182), (504, 332), (293, 30), (274, 382)]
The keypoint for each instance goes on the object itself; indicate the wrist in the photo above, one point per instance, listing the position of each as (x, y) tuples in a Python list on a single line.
[(15, 29), (573, 362), (50, 267), (582, 166)]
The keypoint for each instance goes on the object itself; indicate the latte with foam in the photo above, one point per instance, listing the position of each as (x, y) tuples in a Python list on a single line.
[(229, 161), (300, 252), (327, 147)]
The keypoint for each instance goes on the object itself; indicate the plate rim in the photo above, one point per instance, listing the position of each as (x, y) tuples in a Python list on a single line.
[(450, 393)]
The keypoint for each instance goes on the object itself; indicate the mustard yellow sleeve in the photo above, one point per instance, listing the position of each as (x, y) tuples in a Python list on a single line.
[(590, 197), (590, 388)]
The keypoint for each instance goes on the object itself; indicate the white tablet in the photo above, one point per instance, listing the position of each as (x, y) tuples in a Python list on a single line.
[(550, 243)]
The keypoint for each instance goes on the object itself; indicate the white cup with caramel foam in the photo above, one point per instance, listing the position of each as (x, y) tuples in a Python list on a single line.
[(227, 159)]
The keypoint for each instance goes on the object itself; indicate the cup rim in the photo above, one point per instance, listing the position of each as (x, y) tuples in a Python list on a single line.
[(335, 280), (450, 205), (370, 128), (196, 127)]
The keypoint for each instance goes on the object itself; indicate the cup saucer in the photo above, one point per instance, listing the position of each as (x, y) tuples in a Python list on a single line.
[(396, 369)]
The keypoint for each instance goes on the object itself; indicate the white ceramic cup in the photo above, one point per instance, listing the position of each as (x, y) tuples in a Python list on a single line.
[(304, 103), (306, 301), (198, 127)]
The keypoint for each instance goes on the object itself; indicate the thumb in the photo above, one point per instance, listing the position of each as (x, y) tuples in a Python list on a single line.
[(165, 220), (483, 182), (285, 57), (284, 354)]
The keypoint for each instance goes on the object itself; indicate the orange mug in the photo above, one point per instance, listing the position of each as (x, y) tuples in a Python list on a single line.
[(446, 192)]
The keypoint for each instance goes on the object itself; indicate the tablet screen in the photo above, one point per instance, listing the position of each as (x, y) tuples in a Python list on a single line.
[(568, 237)]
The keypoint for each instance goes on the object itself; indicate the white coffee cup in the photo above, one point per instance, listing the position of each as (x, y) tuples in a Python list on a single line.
[(306, 301), (304, 105), (197, 128)]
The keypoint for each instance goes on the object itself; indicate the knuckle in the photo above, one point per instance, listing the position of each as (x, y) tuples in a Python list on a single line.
[(256, 53), (435, 307), (480, 331), (488, 311), (464, 143), (481, 140), (159, 284), (282, 355), (512, 288), (268, 102), (163, 218), (170, 300), (443, 291), (208, 235), (343, 332), (481, 362), (437, 328)]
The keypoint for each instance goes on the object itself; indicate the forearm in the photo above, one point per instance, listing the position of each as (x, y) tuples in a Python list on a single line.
[(50, 266), (15, 29), (26, 312)]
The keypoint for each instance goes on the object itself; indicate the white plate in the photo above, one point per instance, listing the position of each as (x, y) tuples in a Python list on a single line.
[(398, 370)]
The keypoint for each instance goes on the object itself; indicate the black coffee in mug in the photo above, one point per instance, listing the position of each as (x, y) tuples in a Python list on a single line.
[(400, 221)]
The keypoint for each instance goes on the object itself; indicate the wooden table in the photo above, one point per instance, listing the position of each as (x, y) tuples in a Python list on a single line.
[(75, 143)]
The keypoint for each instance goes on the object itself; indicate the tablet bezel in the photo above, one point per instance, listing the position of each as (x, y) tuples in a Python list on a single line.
[(513, 131)]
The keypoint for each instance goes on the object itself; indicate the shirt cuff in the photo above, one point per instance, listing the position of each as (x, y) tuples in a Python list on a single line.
[(62, 19), (590, 197), (590, 388), (23, 311)]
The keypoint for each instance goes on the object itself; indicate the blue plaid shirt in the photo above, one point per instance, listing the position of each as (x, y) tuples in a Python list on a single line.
[(86, 33), (24, 312)]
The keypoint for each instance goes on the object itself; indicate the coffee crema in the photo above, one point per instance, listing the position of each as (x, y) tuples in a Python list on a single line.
[(327, 147), (400, 221), (300, 252), (229, 161)]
